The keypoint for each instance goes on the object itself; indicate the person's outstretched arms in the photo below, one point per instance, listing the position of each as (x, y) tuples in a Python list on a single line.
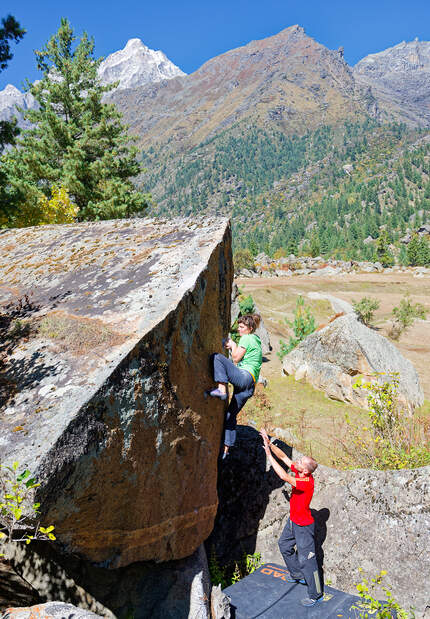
[(278, 452), (281, 472)]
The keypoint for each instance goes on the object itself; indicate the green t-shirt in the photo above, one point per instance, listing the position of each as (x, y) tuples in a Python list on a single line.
[(253, 357)]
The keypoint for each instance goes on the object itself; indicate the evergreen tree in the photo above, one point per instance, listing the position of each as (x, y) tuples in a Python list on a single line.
[(412, 251), (10, 31), (423, 252), (76, 141), (403, 256), (314, 245), (383, 252)]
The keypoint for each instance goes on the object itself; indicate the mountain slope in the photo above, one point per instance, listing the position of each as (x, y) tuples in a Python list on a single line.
[(287, 80), (399, 78)]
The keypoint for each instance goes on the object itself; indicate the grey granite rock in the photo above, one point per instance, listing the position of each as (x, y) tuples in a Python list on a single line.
[(333, 358), (220, 604), (56, 610), (104, 400)]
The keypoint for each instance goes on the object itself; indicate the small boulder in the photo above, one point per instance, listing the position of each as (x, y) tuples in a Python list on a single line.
[(58, 610), (332, 358)]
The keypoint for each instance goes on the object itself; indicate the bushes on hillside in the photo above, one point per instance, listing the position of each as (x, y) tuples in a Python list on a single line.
[(302, 325)]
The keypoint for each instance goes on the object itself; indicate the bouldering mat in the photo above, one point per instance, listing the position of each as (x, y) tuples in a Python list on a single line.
[(265, 594)]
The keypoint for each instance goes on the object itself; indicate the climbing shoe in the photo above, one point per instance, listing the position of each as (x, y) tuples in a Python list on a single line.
[(216, 393), (311, 601), (299, 580)]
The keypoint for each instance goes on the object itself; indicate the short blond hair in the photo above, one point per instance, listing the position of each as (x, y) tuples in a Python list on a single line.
[(310, 464)]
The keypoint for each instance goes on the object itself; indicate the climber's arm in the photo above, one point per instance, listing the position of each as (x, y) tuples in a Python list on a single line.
[(278, 452), (279, 470)]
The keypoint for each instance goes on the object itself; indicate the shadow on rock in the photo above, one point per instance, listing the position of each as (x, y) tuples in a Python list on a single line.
[(254, 505), (244, 489)]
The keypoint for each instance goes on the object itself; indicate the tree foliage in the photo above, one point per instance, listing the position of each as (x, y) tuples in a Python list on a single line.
[(405, 315), (18, 513), (302, 326), (58, 209), (10, 31), (76, 141), (365, 309)]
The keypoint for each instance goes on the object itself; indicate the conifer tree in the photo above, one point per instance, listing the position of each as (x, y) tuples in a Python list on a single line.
[(10, 30), (423, 252), (76, 141), (413, 250), (383, 252)]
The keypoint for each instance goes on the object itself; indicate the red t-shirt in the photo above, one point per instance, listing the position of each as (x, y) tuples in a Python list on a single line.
[(301, 497)]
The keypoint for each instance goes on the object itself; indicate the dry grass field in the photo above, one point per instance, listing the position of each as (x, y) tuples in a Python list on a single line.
[(317, 424)]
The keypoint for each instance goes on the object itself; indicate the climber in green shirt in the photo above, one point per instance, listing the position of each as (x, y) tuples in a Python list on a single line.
[(242, 372)]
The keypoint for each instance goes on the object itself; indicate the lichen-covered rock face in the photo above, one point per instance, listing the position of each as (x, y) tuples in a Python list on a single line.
[(333, 358), (105, 376)]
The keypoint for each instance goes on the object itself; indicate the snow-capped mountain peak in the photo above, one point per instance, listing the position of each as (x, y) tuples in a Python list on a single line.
[(133, 66), (137, 65)]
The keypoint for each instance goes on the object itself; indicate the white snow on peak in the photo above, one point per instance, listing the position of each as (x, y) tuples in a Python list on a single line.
[(10, 97), (137, 65), (133, 66)]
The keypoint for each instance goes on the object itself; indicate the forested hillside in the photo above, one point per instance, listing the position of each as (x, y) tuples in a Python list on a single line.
[(324, 192)]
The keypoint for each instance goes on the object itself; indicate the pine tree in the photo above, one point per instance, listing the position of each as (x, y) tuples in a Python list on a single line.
[(10, 31), (383, 252), (76, 141), (423, 252), (412, 251)]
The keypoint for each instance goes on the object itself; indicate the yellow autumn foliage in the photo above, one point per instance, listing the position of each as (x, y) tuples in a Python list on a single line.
[(59, 209)]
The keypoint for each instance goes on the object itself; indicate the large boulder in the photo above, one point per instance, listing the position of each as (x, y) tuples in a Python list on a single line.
[(107, 329), (376, 520), (332, 358)]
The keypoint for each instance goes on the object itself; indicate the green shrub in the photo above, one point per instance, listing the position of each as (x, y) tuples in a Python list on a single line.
[(365, 308), (18, 513), (369, 606), (229, 574), (302, 325), (394, 439), (243, 259), (405, 315)]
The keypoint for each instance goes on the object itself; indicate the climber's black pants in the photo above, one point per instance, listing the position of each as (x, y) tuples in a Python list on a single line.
[(301, 563), (225, 371)]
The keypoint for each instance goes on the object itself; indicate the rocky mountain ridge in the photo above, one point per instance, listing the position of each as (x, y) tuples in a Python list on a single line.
[(11, 97), (399, 79), (288, 80)]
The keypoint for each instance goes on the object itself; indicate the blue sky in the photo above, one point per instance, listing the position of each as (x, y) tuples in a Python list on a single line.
[(191, 32)]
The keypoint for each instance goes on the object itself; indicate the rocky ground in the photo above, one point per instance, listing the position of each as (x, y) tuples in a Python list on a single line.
[(317, 423)]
